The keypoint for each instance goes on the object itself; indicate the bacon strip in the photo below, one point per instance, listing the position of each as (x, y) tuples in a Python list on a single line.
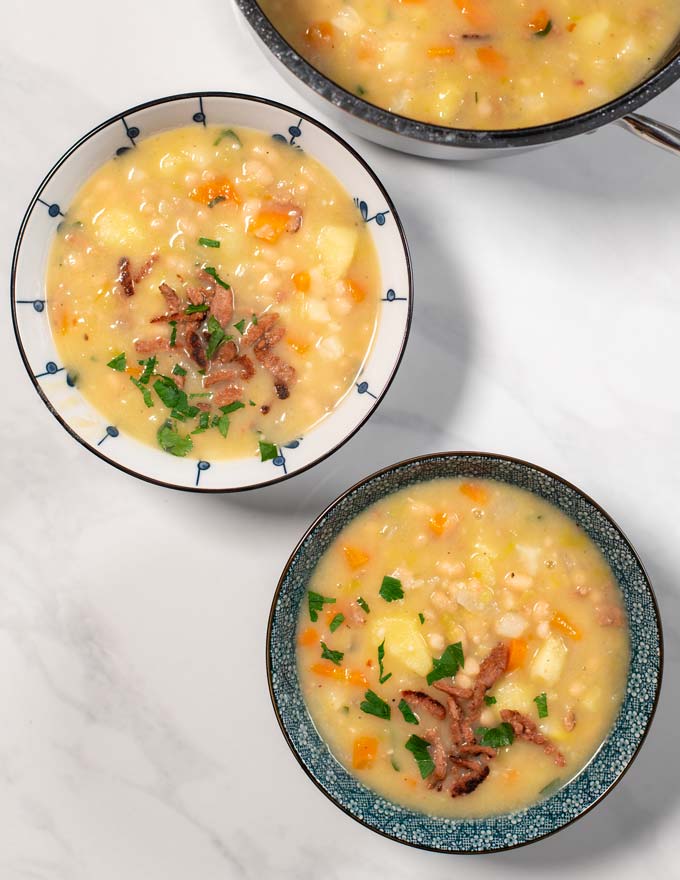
[(416, 699)]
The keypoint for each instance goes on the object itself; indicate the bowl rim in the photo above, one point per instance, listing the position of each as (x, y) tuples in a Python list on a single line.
[(254, 99), (406, 463), (439, 135)]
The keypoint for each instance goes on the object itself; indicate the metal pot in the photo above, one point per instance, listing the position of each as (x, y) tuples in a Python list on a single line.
[(438, 142)]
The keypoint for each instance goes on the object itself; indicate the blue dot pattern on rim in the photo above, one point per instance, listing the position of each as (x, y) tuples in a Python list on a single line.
[(498, 832)]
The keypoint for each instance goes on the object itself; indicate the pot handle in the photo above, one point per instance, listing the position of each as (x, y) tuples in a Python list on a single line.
[(657, 133)]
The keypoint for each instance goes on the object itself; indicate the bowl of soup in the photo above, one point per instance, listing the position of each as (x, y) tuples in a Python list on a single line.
[(211, 291), (470, 78), (464, 653)]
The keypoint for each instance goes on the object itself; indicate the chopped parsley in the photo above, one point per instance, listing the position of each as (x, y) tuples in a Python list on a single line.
[(212, 271), (227, 133), (208, 242), (496, 737), (316, 602), (448, 664), (217, 336), (232, 407), (381, 657), (333, 656), (203, 423), (253, 320), (542, 705), (268, 451), (421, 617), (360, 90), (490, 701), (362, 603), (172, 441), (240, 325), (372, 704), (419, 748), (222, 424), (195, 309), (149, 366), (174, 398), (216, 201), (337, 621), (173, 333), (146, 394), (407, 712), (178, 370), (391, 589), (546, 30), (118, 363)]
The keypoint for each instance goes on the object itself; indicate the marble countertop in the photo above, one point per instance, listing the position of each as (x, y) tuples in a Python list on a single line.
[(137, 739)]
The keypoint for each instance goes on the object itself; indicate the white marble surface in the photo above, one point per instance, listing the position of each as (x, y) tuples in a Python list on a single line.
[(136, 735)]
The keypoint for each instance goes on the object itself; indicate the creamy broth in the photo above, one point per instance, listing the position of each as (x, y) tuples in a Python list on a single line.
[(481, 64), (479, 572), (213, 291)]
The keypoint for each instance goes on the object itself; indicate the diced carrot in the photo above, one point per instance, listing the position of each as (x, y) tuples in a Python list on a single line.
[(475, 493), (437, 523), (441, 51), (492, 59), (269, 225), (476, 12), (409, 780), (222, 188), (326, 669), (320, 35), (559, 621), (540, 21), (365, 752), (302, 281), (308, 637), (355, 557), (571, 26), (356, 291), (134, 371), (518, 654), (298, 346)]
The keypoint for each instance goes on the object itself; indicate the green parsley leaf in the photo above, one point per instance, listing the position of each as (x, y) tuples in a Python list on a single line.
[(337, 621), (252, 403), (195, 309), (173, 333), (203, 423), (407, 712), (421, 617), (448, 664), (496, 737), (546, 30), (232, 407), (490, 701), (360, 90), (362, 603), (216, 201), (223, 425), (268, 451), (212, 271), (227, 133), (149, 366), (391, 589), (168, 392), (542, 705), (172, 441), (146, 394), (118, 363), (209, 242), (381, 656), (394, 764), (240, 325), (333, 656), (253, 320), (316, 602), (372, 704), (420, 750), (178, 370), (217, 336)]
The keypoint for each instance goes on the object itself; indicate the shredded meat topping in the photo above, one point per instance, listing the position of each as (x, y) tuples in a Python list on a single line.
[(418, 699), (526, 729), (222, 306), (438, 752), (125, 277), (145, 268), (194, 346), (151, 346), (172, 300)]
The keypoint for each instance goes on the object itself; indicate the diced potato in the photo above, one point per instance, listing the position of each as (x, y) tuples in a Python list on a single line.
[(403, 641), (593, 28), (511, 625), (335, 247), (549, 661), (510, 695), (115, 228)]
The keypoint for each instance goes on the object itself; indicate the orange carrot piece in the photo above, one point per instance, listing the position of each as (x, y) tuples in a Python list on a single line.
[(269, 225), (302, 281), (134, 371), (364, 752), (222, 188), (441, 51), (492, 59), (326, 669), (518, 654), (559, 621), (437, 523), (298, 346), (308, 637), (356, 291), (320, 35), (355, 557), (571, 26), (540, 21), (475, 493)]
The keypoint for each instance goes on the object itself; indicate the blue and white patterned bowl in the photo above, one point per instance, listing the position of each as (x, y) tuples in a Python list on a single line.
[(499, 832), (123, 132)]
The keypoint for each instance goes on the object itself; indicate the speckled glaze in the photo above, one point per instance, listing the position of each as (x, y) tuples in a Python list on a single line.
[(435, 141), (499, 832)]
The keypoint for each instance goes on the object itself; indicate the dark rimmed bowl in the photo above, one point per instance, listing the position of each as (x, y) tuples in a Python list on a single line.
[(497, 833), (439, 142)]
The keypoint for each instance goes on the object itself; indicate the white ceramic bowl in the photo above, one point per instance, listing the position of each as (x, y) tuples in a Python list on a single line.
[(50, 203)]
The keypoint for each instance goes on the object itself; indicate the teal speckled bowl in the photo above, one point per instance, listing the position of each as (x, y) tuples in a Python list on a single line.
[(501, 832)]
